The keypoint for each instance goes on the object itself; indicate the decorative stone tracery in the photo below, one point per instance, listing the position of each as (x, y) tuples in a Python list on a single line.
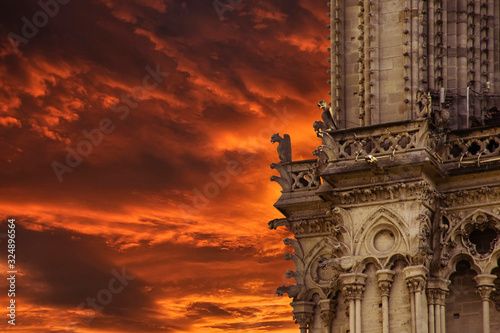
[(400, 182)]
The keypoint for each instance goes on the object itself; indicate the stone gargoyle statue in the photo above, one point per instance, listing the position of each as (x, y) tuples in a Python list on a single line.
[(328, 124), (295, 291), (339, 264), (424, 102), (284, 147)]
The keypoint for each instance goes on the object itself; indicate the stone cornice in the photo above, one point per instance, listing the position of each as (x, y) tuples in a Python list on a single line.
[(386, 193), (312, 227), (471, 197)]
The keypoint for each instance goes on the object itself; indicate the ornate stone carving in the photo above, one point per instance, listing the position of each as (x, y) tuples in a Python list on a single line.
[(385, 278), (316, 226), (437, 296), (299, 263), (416, 284), (285, 179), (419, 190), (471, 197), (303, 313), (273, 224), (328, 123), (374, 164), (476, 148), (424, 102), (327, 308), (296, 292), (385, 287), (297, 176), (306, 179), (415, 278), (478, 229), (485, 292), (353, 285), (296, 246), (353, 291), (284, 147), (339, 264), (485, 286)]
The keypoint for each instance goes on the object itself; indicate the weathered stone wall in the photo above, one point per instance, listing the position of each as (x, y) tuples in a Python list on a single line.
[(384, 52), (403, 194), (463, 305), (372, 307), (399, 302)]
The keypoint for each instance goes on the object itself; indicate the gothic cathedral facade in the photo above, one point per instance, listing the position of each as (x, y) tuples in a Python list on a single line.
[(396, 221)]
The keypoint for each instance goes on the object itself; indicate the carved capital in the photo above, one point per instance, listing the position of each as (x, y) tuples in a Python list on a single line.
[(327, 307), (437, 291), (416, 278), (416, 284), (437, 296), (303, 319), (385, 287), (431, 296), (385, 277), (303, 313), (353, 285), (353, 291), (485, 292), (485, 285)]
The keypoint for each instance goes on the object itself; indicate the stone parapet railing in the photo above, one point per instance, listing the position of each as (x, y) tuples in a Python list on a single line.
[(295, 176)]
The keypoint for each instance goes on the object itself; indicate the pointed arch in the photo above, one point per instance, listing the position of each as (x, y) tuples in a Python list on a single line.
[(391, 261), (374, 236), (452, 264), (361, 266)]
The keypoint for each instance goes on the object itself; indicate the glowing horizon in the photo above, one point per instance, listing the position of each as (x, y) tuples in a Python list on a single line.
[(136, 136)]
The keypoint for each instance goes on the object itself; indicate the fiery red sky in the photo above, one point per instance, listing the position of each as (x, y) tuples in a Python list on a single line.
[(136, 143)]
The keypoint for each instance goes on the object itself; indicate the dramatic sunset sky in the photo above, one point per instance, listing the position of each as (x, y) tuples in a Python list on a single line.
[(141, 200)]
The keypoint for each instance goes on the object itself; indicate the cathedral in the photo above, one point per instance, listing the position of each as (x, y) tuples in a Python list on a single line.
[(396, 219)]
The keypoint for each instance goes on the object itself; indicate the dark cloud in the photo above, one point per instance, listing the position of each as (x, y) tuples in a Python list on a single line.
[(120, 206)]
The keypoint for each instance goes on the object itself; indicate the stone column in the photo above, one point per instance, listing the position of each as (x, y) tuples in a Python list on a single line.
[(327, 308), (485, 286), (416, 277), (437, 290), (303, 313), (353, 288), (385, 277), (431, 302)]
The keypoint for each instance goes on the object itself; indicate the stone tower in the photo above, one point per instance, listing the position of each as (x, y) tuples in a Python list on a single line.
[(396, 221)]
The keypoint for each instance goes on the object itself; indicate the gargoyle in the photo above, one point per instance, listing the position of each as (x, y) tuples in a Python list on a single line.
[(329, 152), (299, 279), (284, 147), (273, 224), (339, 264), (374, 164), (326, 138), (319, 126), (296, 291), (327, 116), (296, 246), (285, 180), (441, 117), (424, 102), (285, 185), (299, 264)]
